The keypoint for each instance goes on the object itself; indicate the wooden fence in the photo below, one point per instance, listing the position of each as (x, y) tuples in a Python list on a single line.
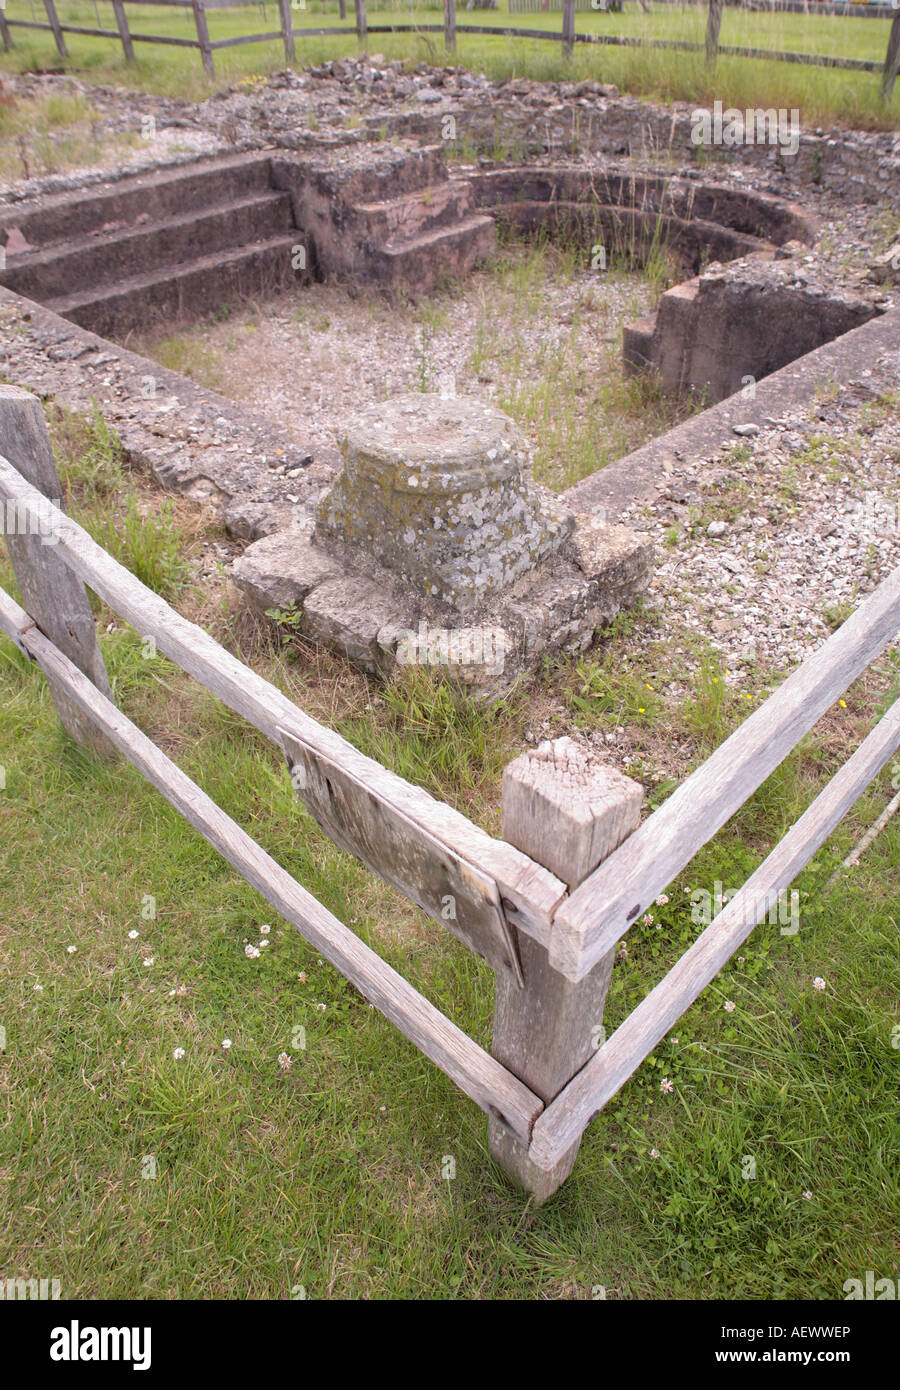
[(567, 37), (545, 905)]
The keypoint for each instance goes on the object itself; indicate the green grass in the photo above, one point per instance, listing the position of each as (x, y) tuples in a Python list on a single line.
[(820, 94), (129, 1173)]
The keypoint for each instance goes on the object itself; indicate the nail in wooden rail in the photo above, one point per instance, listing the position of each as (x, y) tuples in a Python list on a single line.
[(55, 597), (569, 811)]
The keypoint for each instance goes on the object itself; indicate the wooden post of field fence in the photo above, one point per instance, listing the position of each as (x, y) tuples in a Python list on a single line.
[(361, 27), (203, 37), (287, 29), (57, 31), (568, 33), (892, 60), (568, 811), (713, 23), (450, 25), (343, 9), (4, 28), (53, 596), (124, 31)]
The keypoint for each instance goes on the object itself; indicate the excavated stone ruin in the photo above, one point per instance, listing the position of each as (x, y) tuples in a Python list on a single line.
[(432, 548)]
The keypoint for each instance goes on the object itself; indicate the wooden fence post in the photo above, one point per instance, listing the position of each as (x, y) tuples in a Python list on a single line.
[(4, 27), (124, 31), (568, 34), (713, 21), (892, 60), (52, 594), (54, 25), (343, 9), (361, 29), (450, 25), (287, 29), (568, 811), (203, 37)]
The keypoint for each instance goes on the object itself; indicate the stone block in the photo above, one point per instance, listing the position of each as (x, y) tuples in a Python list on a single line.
[(282, 569)]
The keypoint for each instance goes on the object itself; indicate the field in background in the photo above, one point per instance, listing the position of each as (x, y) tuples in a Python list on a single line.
[(822, 95)]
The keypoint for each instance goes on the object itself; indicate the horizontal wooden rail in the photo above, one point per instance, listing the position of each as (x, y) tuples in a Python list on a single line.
[(477, 1074), (109, 33), (566, 1117), (601, 910), (529, 894), (246, 38)]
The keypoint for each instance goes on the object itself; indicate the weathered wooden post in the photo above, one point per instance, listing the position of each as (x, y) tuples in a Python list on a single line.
[(55, 26), (287, 29), (450, 25), (361, 28), (203, 37), (568, 34), (124, 31), (568, 811), (713, 22), (4, 29), (343, 9), (892, 60), (51, 593)]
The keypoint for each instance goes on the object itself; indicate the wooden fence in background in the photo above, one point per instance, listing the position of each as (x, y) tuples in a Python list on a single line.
[(567, 37), (545, 905)]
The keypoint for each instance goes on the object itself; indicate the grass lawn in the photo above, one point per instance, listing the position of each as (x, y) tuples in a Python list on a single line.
[(767, 1171), (822, 95)]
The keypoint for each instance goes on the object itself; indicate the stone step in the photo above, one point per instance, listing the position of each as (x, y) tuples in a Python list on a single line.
[(88, 261), (442, 253), (405, 217), (187, 291), (158, 195)]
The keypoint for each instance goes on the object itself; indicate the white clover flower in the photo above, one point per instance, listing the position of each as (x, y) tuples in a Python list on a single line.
[(251, 951), (662, 900), (654, 1153), (807, 1196), (320, 1008), (303, 977), (666, 1086), (264, 942), (647, 919), (285, 1061), (818, 982), (265, 929), (729, 1006), (178, 1054)]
